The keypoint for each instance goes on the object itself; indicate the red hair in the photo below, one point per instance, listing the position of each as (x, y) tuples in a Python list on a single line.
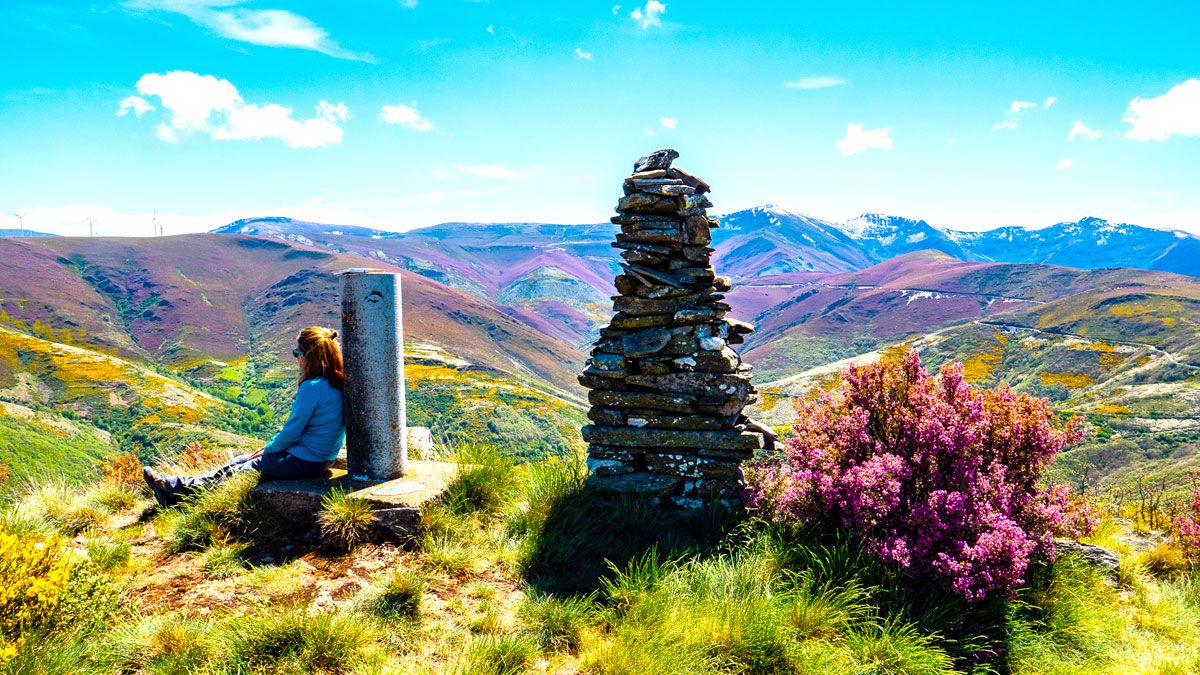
[(322, 356)]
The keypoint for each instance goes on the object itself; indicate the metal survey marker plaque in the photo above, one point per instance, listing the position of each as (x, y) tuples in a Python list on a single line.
[(399, 488)]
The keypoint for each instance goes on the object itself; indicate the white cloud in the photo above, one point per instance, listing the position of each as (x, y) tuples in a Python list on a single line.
[(203, 104), (165, 133), (1065, 163), (616, 10), (406, 116), (267, 27), (650, 15), (491, 29), (822, 82), (582, 55), (137, 104), (1080, 129), (408, 4), (1175, 113), (1051, 100), (1015, 111), (951, 141), (664, 124), (858, 139)]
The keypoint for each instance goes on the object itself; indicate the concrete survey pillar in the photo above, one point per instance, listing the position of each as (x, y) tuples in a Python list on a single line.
[(373, 346)]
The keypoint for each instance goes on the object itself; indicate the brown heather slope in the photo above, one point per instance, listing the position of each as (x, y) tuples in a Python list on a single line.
[(183, 300)]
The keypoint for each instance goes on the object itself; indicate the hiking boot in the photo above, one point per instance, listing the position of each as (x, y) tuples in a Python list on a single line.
[(163, 494)]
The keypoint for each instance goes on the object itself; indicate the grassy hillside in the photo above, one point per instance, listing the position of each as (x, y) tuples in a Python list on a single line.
[(181, 301), (166, 340), (1142, 403), (63, 407), (37, 445), (520, 569), (830, 317)]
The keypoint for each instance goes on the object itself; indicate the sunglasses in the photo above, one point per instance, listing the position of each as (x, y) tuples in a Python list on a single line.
[(297, 353)]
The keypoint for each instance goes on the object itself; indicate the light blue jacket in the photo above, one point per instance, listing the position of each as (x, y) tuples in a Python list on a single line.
[(316, 429)]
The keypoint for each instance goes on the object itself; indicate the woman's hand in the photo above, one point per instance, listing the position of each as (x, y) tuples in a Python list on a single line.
[(256, 454)]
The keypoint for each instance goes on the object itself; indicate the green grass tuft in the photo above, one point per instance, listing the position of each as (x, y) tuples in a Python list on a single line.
[(498, 655), (224, 560), (162, 644), (399, 596), (213, 515), (107, 554), (558, 623), (114, 497), (487, 482), (345, 521), (294, 641), (450, 556)]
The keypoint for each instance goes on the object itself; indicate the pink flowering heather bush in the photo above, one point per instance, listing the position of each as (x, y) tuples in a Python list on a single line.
[(1187, 530), (930, 473)]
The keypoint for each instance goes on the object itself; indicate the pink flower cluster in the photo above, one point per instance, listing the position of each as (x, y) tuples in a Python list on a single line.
[(1187, 530), (932, 474)]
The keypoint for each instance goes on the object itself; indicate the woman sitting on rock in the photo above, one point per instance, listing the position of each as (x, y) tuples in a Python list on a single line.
[(309, 441)]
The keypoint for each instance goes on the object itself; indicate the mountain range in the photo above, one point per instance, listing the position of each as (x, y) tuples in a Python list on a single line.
[(498, 316), (557, 278)]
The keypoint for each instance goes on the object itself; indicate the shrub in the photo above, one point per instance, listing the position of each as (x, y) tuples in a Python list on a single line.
[(399, 596), (124, 470), (345, 521), (88, 603), (33, 576), (930, 473), (196, 458), (1187, 530)]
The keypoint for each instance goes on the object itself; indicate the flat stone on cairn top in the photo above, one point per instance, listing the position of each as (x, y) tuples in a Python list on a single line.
[(659, 159), (667, 390)]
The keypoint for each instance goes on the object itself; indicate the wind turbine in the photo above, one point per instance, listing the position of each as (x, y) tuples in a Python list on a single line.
[(21, 219)]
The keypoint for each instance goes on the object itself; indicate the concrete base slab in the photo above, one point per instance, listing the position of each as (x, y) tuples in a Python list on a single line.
[(395, 503)]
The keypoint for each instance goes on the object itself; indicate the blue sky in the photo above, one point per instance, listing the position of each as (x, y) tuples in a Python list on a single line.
[(399, 113)]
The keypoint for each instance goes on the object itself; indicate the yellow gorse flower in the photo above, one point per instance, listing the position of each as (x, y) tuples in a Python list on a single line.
[(33, 575)]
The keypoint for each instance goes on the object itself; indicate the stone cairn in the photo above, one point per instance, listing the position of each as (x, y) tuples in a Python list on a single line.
[(667, 391)]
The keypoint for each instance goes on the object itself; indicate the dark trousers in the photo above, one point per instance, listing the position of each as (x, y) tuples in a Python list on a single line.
[(270, 465)]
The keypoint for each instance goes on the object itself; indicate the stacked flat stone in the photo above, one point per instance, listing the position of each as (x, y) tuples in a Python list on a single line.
[(667, 390)]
